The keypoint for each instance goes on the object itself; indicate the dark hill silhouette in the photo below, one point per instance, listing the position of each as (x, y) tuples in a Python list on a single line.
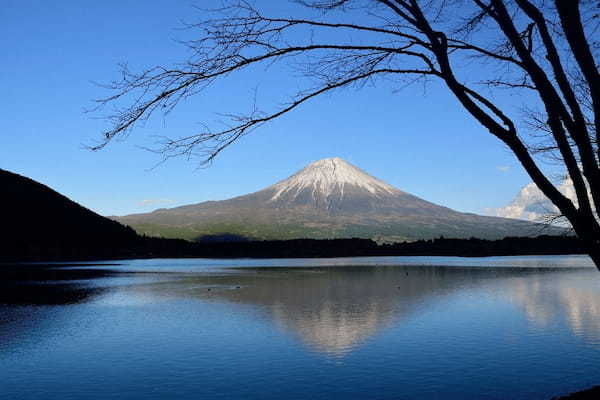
[(38, 221)]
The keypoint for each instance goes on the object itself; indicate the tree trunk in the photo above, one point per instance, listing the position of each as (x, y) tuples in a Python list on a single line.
[(587, 232), (595, 255), (592, 246)]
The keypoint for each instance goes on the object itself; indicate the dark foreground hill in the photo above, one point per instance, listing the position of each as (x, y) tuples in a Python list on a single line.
[(39, 222)]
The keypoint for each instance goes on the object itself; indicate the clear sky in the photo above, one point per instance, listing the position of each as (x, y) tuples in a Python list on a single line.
[(52, 51)]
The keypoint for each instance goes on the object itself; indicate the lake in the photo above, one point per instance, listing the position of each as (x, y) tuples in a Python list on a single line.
[(346, 328)]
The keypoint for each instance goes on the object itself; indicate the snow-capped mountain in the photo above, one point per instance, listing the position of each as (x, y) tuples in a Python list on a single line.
[(329, 177), (338, 187), (329, 198)]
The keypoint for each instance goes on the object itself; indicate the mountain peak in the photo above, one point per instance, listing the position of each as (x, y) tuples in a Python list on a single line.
[(328, 198), (331, 160), (330, 175)]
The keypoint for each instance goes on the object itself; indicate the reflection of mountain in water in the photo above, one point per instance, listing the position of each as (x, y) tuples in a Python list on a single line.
[(331, 329), (332, 309)]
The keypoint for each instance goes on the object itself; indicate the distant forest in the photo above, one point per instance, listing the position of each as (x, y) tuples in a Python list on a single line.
[(146, 247)]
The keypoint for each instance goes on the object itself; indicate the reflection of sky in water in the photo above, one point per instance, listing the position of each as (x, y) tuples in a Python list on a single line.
[(573, 300), (237, 328), (193, 265)]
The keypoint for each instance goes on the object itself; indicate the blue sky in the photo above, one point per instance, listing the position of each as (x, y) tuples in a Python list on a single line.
[(53, 51)]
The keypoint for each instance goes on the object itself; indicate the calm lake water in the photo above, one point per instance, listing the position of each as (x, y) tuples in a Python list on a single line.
[(353, 328)]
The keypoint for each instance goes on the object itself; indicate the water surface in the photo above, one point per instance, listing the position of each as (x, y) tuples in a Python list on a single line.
[(353, 328)]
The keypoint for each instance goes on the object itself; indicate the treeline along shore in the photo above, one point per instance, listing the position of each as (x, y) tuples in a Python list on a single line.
[(148, 247)]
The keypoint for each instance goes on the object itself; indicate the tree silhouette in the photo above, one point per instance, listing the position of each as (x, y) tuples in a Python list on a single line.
[(540, 50)]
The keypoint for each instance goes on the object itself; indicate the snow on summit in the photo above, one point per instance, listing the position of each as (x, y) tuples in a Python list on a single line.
[(329, 175)]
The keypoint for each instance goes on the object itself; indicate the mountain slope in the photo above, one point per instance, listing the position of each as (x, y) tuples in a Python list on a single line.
[(329, 198), (39, 222)]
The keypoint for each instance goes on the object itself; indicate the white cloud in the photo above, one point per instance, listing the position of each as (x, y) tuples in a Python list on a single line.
[(503, 168), (532, 205), (154, 202)]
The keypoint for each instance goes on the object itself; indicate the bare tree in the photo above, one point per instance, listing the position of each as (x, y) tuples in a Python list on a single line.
[(542, 50)]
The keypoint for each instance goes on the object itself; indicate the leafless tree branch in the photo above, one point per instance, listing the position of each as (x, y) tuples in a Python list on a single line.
[(475, 47)]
